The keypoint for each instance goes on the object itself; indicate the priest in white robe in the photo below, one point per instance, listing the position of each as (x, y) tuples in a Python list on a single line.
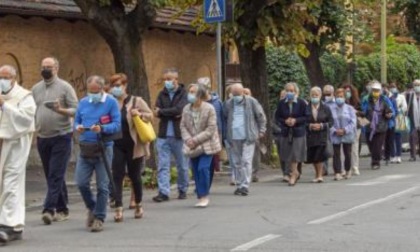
[(17, 111)]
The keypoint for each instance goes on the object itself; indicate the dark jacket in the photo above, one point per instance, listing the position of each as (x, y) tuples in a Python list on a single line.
[(409, 98), (298, 112), (171, 110), (385, 108), (318, 138)]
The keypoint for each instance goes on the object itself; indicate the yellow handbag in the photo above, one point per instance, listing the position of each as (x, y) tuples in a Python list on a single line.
[(144, 129)]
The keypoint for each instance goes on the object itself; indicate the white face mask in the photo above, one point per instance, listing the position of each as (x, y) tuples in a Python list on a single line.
[(5, 85)]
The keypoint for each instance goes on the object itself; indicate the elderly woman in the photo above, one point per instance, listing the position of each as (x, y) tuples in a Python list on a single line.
[(291, 116), (401, 110), (378, 110), (342, 134), (319, 120), (352, 98), (129, 152), (201, 141)]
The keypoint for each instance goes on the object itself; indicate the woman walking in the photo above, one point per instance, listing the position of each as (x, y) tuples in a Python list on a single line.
[(342, 134), (401, 112), (201, 141), (129, 152), (319, 120)]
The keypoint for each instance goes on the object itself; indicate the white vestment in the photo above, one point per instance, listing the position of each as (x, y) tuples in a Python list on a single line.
[(17, 125)]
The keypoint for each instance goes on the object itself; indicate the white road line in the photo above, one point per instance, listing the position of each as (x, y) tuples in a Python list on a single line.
[(381, 180), (256, 242), (362, 206)]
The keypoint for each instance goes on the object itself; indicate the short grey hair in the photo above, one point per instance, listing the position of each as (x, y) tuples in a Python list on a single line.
[(329, 88), (317, 90), (201, 90), (10, 69), (56, 62), (97, 79), (294, 85), (171, 70)]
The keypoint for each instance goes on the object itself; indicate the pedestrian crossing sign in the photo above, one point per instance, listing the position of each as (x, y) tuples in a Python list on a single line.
[(214, 11)]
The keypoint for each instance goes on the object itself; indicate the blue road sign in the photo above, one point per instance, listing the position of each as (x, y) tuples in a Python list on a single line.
[(214, 11)]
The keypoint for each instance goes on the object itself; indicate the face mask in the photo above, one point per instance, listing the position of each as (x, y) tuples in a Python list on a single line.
[(238, 98), (5, 85), (315, 100), (369, 89), (117, 91), (46, 74), (417, 89), (169, 85), (95, 98), (290, 96), (394, 90), (348, 95), (376, 94), (192, 98), (340, 101), (329, 98)]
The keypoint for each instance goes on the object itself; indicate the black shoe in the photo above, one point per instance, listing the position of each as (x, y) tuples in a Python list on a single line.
[(245, 191), (255, 179), (237, 191), (412, 159), (160, 198), (182, 195), (7, 234), (376, 167)]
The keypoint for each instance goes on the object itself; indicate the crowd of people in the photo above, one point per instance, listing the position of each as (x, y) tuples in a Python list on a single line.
[(194, 125)]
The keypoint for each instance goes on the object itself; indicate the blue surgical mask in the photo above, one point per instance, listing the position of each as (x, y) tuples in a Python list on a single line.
[(340, 101), (394, 90), (192, 98), (417, 89), (238, 98), (169, 85), (290, 96), (95, 98), (315, 100), (348, 95), (117, 91), (5, 85)]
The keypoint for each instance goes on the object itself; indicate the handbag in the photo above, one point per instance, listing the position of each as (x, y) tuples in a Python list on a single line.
[(90, 150), (192, 153), (402, 123), (144, 130)]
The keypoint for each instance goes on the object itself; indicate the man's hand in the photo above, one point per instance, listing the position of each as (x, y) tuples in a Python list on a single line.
[(80, 128), (96, 128), (57, 106)]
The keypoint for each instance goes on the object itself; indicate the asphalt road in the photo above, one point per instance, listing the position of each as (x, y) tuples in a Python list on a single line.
[(377, 211)]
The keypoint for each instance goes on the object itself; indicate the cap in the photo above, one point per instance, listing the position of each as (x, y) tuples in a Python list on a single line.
[(376, 85)]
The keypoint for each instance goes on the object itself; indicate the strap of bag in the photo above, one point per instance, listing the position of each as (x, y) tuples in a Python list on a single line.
[(409, 103)]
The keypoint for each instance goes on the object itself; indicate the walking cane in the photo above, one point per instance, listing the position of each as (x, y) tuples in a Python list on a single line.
[(106, 163)]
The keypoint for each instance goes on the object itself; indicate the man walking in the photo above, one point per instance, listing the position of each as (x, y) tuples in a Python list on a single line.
[(245, 125), (56, 103), (169, 106), (17, 125)]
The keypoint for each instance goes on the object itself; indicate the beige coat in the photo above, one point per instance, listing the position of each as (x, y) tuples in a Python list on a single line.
[(205, 133), (140, 149)]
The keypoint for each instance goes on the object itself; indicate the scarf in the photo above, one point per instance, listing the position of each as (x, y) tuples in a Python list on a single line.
[(416, 111), (375, 118)]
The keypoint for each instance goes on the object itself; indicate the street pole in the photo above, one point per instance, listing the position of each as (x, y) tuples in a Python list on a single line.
[(219, 59), (383, 43)]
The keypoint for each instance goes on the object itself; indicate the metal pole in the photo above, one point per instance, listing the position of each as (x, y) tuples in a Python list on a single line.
[(383, 42), (219, 59)]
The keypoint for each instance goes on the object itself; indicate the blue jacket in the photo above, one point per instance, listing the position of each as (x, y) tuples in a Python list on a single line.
[(218, 107), (392, 122), (386, 107), (298, 112), (344, 118), (89, 114)]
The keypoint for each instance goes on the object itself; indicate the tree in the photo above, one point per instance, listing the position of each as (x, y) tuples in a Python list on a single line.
[(122, 24), (411, 12)]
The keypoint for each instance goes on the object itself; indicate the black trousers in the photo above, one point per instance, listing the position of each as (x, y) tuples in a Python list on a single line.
[(414, 142), (123, 158), (375, 146), (337, 157), (390, 144)]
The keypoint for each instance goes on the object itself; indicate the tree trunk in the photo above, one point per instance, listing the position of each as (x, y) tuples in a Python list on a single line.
[(254, 76), (313, 65)]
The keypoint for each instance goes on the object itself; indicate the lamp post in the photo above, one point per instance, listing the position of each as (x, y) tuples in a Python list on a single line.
[(383, 42)]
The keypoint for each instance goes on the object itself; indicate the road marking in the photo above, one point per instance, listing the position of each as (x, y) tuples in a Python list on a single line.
[(256, 242), (381, 180), (362, 206)]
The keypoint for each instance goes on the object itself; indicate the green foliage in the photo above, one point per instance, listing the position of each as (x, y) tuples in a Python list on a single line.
[(150, 177), (334, 67), (411, 11)]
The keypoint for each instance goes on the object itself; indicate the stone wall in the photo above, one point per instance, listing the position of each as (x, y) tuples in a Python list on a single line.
[(24, 42)]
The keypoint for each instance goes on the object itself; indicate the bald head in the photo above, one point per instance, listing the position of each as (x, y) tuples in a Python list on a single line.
[(247, 92), (8, 70), (237, 89)]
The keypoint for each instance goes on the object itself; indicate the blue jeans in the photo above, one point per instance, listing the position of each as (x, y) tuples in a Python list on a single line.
[(398, 144), (166, 147), (201, 170), (84, 170), (55, 154)]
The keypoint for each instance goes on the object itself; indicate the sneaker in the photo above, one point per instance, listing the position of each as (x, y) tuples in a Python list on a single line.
[(182, 195), (237, 191), (47, 218), (160, 198), (356, 171), (203, 203), (286, 178), (61, 216), (7, 234), (97, 226), (255, 179), (398, 160), (347, 175), (242, 191), (338, 177), (412, 159), (90, 219), (375, 167)]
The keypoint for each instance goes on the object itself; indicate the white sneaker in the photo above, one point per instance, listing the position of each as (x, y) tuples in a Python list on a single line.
[(356, 171), (338, 177), (347, 175), (203, 203), (398, 160)]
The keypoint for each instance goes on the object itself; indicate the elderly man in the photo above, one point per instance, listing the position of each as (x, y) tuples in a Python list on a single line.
[(245, 125), (57, 102), (169, 105), (413, 103), (97, 116), (17, 125)]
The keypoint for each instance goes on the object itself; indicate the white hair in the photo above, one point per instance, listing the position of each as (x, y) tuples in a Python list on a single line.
[(317, 90), (416, 82), (329, 88), (294, 85), (96, 79), (12, 71)]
